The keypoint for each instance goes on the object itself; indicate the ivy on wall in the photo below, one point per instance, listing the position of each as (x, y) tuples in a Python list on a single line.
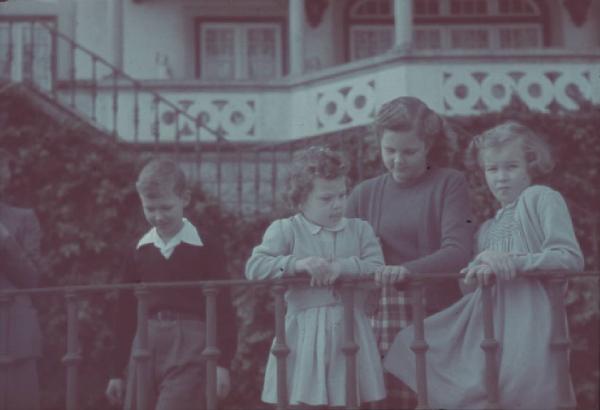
[(81, 186)]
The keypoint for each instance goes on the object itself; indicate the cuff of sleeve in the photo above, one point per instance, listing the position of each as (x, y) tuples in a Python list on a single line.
[(348, 266), (290, 267)]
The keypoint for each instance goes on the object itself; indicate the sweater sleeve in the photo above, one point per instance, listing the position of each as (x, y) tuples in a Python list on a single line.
[(273, 258), (370, 257), (456, 229), (559, 246)]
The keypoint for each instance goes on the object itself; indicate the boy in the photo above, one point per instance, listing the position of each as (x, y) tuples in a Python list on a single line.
[(171, 251), (20, 263)]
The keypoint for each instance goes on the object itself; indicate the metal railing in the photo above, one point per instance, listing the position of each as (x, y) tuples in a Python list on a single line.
[(73, 295)]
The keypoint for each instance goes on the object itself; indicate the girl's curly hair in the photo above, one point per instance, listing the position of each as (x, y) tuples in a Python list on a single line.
[(309, 164)]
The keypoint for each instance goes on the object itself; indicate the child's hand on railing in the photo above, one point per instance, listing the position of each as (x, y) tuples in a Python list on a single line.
[(322, 271), (115, 391), (500, 263), (223, 382), (391, 274), (328, 277), (480, 274)]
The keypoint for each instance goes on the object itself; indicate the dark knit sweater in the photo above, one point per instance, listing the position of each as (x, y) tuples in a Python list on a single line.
[(187, 263), (424, 225)]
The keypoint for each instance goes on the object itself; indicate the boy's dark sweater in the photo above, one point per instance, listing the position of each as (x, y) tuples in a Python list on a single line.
[(187, 263)]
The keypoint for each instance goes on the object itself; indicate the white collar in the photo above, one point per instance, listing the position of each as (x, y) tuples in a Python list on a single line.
[(315, 229), (188, 234)]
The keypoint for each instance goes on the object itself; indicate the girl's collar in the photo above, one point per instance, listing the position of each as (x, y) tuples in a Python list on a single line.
[(315, 229)]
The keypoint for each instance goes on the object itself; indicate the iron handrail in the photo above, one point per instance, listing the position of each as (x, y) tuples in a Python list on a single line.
[(136, 83), (559, 342), (297, 280)]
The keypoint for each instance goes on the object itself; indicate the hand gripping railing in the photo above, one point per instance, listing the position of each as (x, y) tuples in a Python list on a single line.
[(559, 341), (559, 337)]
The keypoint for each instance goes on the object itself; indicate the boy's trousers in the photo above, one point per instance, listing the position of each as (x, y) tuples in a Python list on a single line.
[(176, 369)]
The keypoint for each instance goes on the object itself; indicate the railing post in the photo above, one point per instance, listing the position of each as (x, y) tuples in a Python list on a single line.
[(490, 347), (219, 166), (72, 75), (5, 357), (419, 345), (94, 86), (257, 176), (177, 138), (73, 357), (211, 352), (560, 343), (31, 56), (115, 102), (280, 349), (240, 182), (136, 113), (274, 178), (156, 123), (9, 68), (350, 347), (141, 352)]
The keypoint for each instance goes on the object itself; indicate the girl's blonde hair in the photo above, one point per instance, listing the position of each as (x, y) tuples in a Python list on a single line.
[(309, 164), (537, 151)]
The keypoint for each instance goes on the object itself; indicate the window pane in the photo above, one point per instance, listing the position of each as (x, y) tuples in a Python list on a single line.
[(469, 38), (468, 7), (518, 37), (426, 7), (368, 42), (429, 38), (522, 7), (261, 53), (42, 54), (5, 41), (218, 60)]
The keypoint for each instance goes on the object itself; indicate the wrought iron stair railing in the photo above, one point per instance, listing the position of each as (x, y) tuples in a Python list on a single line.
[(36, 54)]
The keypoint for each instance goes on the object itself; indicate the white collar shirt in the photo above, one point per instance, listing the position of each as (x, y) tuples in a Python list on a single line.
[(188, 234)]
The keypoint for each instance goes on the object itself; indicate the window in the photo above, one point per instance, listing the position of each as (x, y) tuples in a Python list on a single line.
[(447, 24), (368, 41), (237, 51)]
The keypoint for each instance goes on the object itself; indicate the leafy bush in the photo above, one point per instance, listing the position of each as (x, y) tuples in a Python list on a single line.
[(81, 186)]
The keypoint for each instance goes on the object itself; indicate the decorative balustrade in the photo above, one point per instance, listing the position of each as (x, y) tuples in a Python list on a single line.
[(540, 87), (74, 294), (287, 110)]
